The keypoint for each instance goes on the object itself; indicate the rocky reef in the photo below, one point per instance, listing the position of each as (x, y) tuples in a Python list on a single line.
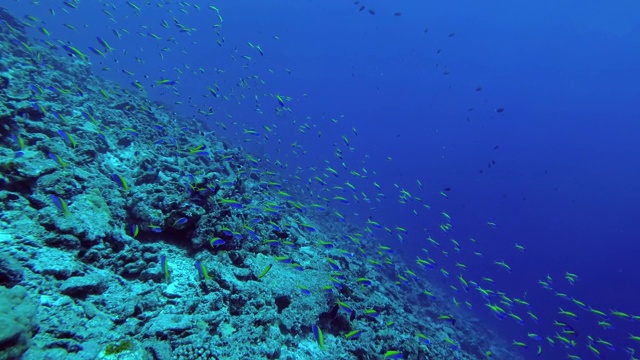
[(128, 231)]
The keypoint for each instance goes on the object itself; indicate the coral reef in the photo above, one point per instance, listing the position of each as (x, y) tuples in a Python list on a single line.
[(140, 234)]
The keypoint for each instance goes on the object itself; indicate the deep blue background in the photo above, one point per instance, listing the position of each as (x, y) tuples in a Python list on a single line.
[(566, 179)]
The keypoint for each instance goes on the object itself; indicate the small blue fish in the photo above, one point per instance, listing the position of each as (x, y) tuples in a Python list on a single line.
[(393, 354), (18, 140), (96, 51), (131, 132), (336, 283), (304, 290), (165, 268), (36, 89), (345, 307), (60, 204), (308, 227), (166, 82), (216, 241), (38, 108), (180, 222), (334, 264), (202, 271), (59, 117), (88, 116), (120, 181), (67, 138), (371, 313), (265, 271), (74, 52), (57, 159), (297, 267), (104, 43), (54, 90), (317, 334), (424, 339)]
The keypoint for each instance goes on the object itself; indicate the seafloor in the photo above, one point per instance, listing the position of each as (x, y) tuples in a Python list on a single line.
[(112, 207)]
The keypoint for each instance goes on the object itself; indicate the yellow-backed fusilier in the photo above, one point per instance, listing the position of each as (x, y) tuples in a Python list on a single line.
[(317, 334)]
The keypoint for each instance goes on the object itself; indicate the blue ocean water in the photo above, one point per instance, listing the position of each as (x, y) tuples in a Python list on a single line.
[(517, 120)]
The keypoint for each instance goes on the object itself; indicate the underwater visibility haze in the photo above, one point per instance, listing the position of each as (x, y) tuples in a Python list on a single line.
[(360, 179)]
